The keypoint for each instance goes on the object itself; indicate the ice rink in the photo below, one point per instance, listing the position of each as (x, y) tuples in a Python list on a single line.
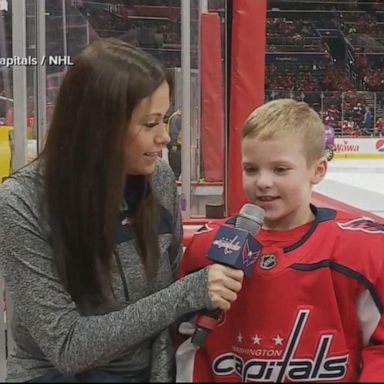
[(359, 183)]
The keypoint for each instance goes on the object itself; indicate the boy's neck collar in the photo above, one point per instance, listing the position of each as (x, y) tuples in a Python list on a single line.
[(320, 214)]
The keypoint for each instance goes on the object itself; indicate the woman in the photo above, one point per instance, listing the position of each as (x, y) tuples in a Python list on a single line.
[(90, 233)]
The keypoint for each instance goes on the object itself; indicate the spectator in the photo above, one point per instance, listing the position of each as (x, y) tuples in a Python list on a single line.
[(174, 146), (368, 119)]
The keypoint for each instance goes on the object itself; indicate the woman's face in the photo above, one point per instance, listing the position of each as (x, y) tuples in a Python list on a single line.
[(146, 134)]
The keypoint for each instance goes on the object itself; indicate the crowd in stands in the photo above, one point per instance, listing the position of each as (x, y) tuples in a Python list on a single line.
[(298, 79), (155, 26), (352, 113), (361, 23), (337, 79), (363, 29), (290, 28), (373, 78), (289, 34), (307, 78), (330, 91)]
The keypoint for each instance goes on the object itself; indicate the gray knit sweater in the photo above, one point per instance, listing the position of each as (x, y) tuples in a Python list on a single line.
[(48, 329)]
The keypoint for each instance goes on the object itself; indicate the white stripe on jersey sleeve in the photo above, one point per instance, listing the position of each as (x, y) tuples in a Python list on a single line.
[(368, 315)]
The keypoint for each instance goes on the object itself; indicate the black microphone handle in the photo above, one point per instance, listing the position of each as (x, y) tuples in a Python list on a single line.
[(201, 333)]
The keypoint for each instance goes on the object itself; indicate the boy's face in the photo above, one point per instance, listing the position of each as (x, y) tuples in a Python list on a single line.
[(277, 178)]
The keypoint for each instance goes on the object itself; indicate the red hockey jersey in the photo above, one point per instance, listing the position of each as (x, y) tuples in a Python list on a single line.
[(312, 310)]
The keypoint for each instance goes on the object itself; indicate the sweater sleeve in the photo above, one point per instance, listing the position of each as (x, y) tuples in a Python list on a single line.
[(163, 368), (72, 342)]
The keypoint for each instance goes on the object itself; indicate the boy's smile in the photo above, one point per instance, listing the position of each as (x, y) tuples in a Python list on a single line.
[(277, 177)]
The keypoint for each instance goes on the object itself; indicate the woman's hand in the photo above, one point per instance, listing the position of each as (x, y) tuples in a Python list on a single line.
[(223, 285)]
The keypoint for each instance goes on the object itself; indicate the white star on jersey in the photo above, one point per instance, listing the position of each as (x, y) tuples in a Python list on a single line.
[(256, 339), (239, 338), (278, 340)]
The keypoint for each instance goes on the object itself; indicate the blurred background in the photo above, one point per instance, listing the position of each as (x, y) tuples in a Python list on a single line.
[(327, 53)]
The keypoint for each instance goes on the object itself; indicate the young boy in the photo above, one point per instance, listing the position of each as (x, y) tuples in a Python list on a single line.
[(312, 310)]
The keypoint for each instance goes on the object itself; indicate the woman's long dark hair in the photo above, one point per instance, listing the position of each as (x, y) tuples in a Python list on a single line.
[(84, 165)]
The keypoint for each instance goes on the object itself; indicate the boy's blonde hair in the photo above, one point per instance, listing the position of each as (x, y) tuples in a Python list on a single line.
[(288, 118)]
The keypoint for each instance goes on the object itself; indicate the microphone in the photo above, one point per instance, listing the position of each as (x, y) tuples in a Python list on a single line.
[(235, 247)]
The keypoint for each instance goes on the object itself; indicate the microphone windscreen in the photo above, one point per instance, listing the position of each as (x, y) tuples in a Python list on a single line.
[(250, 218)]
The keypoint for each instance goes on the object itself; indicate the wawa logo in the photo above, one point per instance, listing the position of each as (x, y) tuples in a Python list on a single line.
[(229, 245), (321, 367), (346, 147)]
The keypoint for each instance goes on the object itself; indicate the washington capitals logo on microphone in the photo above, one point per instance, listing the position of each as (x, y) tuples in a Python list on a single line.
[(236, 248), (229, 245), (249, 257)]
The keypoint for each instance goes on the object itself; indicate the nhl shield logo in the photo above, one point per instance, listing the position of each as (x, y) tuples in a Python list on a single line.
[(268, 261)]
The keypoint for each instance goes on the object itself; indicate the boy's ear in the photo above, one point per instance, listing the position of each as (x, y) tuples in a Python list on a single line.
[(319, 170)]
